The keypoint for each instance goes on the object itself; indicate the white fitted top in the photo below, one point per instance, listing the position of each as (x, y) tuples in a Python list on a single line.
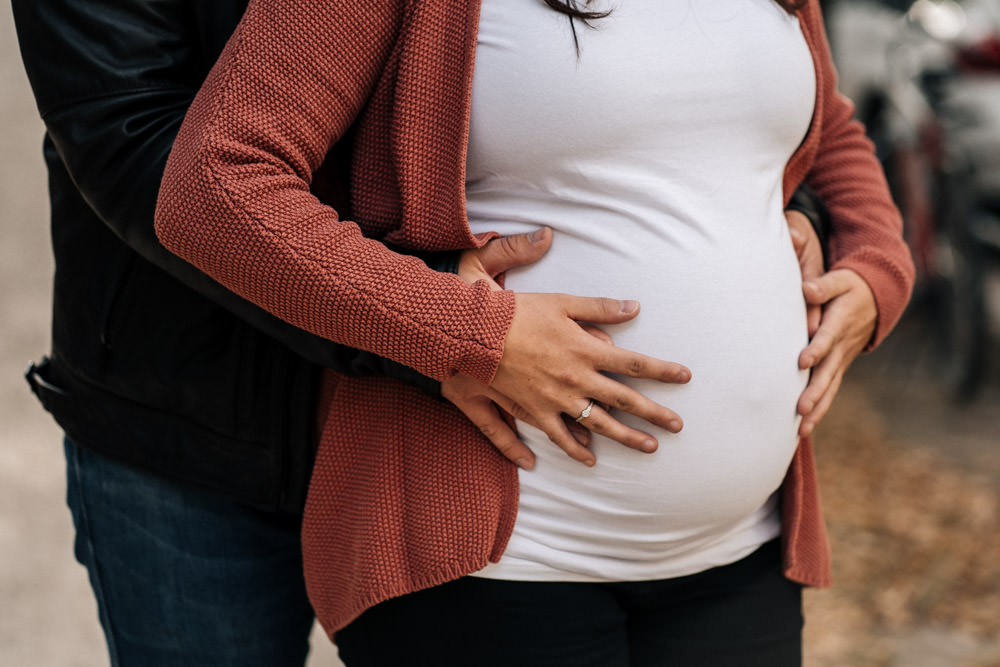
[(656, 156)]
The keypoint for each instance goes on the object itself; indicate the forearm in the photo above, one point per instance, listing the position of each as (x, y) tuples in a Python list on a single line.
[(866, 228), (235, 199)]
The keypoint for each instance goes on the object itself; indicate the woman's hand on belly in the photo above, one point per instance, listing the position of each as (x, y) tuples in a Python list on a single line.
[(552, 366), (849, 318), (475, 400), (478, 402)]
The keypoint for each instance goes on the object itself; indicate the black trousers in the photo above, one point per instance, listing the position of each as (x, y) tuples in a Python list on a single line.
[(745, 614)]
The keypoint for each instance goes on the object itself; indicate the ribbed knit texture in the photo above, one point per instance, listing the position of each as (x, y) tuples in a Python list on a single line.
[(406, 493), (838, 161)]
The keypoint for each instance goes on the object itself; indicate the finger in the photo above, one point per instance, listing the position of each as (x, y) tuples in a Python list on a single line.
[(597, 333), (511, 406), (578, 431), (811, 263), (828, 286), (601, 335), (798, 238), (819, 383), (831, 330), (812, 420), (599, 310), (557, 430), (490, 423), (601, 422), (558, 433), (609, 392), (814, 315), (806, 245), (507, 252), (625, 362)]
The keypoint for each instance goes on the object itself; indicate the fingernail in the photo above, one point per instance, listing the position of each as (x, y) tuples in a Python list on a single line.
[(629, 307), (537, 235), (590, 463), (525, 463), (675, 425), (649, 445), (806, 430)]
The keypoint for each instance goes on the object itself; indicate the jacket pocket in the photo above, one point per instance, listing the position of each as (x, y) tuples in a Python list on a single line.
[(115, 304)]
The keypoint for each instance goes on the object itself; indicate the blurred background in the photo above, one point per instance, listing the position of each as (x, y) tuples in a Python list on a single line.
[(909, 457)]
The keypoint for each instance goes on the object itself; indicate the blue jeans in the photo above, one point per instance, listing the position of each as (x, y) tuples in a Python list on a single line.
[(183, 576)]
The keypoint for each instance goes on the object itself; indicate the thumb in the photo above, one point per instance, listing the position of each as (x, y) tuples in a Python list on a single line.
[(599, 310), (828, 286), (507, 252), (798, 238)]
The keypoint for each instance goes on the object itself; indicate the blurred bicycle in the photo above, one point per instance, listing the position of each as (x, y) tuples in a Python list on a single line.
[(926, 78)]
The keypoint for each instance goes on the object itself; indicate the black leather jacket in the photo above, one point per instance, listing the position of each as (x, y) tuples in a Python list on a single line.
[(152, 362)]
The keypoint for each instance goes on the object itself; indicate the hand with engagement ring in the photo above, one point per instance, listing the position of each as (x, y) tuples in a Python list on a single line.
[(550, 361), (479, 403)]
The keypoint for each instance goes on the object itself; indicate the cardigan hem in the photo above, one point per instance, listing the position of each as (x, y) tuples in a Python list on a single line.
[(331, 623)]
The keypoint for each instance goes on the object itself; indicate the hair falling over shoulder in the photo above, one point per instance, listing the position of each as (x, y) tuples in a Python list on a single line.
[(572, 9)]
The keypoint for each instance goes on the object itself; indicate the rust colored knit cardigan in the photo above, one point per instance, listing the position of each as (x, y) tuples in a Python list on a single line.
[(406, 493)]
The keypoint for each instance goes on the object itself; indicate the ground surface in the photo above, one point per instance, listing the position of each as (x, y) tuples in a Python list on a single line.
[(910, 482), (911, 490)]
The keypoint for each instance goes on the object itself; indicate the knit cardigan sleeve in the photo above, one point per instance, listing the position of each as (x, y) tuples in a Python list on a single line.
[(866, 225), (235, 198)]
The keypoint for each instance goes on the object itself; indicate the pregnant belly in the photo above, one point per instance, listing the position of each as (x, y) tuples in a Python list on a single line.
[(734, 315)]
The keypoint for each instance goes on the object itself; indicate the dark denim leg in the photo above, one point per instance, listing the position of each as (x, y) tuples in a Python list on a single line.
[(183, 576)]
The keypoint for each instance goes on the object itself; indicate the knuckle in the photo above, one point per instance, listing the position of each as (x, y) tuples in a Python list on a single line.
[(508, 245), (505, 448), (823, 340), (624, 402), (519, 412), (609, 307), (563, 376), (635, 367), (597, 425), (559, 441), (489, 429)]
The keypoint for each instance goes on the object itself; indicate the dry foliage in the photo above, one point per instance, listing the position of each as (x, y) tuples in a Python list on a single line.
[(916, 546)]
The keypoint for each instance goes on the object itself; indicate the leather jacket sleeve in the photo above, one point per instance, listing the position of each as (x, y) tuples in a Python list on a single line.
[(112, 80), (808, 203)]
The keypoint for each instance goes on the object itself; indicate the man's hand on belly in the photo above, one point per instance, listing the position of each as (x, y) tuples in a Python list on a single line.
[(475, 400), (810, 255)]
